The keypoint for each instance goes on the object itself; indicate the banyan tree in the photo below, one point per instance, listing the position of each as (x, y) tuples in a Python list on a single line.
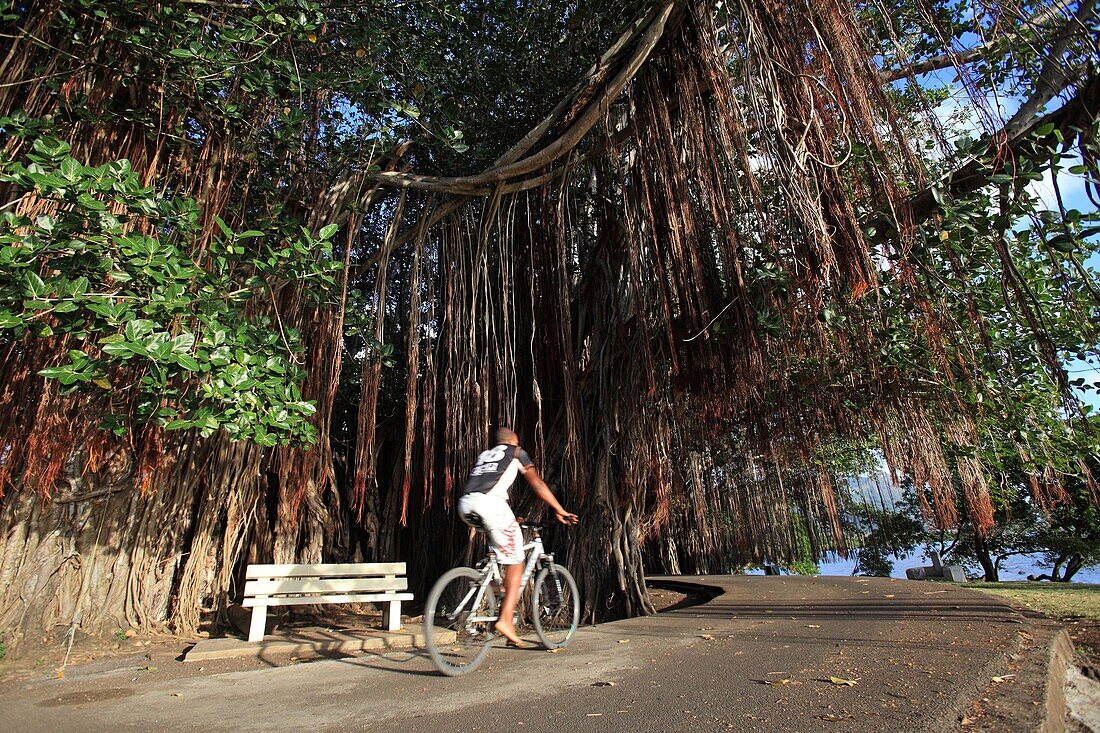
[(272, 270)]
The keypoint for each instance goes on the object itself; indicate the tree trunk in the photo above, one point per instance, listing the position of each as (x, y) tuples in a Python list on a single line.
[(981, 551), (1073, 564)]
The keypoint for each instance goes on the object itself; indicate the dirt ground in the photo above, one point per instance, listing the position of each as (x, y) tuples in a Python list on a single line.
[(664, 599)]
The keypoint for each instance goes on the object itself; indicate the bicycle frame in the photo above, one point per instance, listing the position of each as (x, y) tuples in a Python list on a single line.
[(490, 571), (464, 601)]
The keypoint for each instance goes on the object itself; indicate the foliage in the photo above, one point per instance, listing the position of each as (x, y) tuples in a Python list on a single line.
[(887, 534), (157, 336)]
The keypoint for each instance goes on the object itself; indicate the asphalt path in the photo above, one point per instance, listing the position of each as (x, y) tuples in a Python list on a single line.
[(764, 654)]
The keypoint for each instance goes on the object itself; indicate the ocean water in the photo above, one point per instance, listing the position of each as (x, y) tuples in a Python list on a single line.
[(1017, 567)]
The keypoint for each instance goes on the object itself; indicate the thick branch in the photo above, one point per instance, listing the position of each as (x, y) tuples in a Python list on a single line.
[(1055, 74), (1080, 112), (468, 185)]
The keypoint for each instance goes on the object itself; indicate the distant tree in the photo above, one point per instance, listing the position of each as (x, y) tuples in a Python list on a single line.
[(1070, 537)]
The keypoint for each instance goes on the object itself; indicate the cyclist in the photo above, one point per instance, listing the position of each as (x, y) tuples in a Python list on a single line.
[(485, 504)]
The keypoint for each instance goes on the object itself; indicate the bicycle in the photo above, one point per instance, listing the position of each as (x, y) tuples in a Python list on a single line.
[(465, 601)]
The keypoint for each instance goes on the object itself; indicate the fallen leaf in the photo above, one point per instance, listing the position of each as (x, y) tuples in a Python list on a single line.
[(841, 682), (784, 681), (1004, 678), (603, 684), (148, 669)]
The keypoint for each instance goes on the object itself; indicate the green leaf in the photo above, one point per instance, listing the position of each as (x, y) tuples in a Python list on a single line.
[(188, 362), (224, 227), (70, 168), (121, 350), (56, 372), (33, 284), (183, 342)]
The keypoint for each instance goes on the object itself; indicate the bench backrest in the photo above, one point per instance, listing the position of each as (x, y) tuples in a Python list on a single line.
[(327, 579)]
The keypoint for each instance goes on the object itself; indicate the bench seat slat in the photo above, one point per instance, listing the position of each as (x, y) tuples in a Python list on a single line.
[(345, 569), (322, 585), (345, 598)]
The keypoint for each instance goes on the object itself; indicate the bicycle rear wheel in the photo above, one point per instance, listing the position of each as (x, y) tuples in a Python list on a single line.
[(557, 606), (450, 610)]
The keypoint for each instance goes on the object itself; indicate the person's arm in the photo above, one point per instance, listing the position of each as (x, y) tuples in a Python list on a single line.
[(542, 491)]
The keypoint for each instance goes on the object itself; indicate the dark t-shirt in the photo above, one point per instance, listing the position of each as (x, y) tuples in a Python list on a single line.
[(496, 470)]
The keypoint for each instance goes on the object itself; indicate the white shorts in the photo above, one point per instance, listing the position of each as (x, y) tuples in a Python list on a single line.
[(498, 521)]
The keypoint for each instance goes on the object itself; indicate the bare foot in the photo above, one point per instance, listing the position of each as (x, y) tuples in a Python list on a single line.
[(508, 631)]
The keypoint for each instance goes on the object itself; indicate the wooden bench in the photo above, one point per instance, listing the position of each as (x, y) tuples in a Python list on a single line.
[(296, 585)]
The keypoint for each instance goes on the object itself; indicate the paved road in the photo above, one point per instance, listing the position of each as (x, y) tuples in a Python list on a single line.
[(919, 654)]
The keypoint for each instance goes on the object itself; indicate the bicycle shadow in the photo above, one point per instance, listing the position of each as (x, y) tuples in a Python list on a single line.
[(399, 660), (392, 660)]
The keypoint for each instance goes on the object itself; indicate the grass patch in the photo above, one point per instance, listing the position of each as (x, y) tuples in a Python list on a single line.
[(1060, 600)]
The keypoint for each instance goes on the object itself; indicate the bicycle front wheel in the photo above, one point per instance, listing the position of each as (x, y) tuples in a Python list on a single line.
[(557, 606), (457, 632)]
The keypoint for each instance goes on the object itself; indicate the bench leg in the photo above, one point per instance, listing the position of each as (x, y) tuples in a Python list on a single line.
[(391, 617), (259, 623)]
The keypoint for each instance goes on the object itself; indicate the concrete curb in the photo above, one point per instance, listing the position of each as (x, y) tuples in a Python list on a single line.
[(311, 642), (1061, 657)]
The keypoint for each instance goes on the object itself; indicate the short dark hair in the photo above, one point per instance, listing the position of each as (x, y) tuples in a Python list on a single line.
[(504, 435)]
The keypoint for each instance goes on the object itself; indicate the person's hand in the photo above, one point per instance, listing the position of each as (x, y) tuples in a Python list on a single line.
[(567, 518)]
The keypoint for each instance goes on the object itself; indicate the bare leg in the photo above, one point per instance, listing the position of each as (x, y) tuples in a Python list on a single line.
[(512, 575)]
